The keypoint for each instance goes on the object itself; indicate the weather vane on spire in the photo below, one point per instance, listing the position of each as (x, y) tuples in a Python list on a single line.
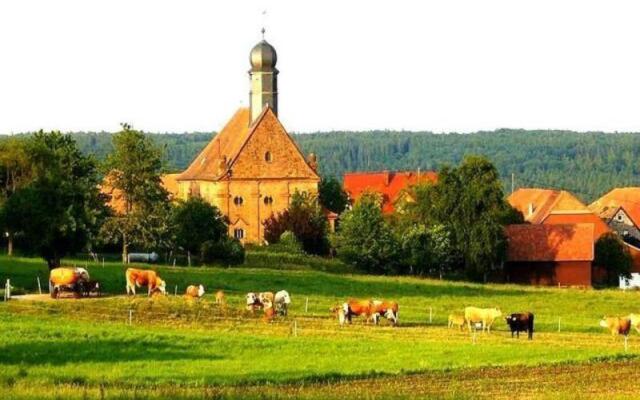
[(264, 17)]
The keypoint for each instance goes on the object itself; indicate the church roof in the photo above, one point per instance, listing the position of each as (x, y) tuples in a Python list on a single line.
[(219, 156)]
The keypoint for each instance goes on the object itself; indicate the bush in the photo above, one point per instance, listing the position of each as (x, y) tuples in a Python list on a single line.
[(227, 250), (288, 243)]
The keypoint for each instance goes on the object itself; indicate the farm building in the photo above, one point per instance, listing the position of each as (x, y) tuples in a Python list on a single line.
[(392, 186), (550, 254)]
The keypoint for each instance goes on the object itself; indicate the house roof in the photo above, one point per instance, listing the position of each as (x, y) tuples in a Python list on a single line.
[(540, 243), (537, 204), (627, 198), (389, 184)]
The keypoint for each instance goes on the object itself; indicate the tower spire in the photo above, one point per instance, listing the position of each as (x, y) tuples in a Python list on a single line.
[(263, 77)]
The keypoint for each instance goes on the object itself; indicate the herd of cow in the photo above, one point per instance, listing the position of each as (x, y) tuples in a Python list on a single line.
[(77, 280)]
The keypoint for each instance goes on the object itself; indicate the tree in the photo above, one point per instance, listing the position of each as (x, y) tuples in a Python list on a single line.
[(305, 219), (133, 169), (365, 240), (15, 172), (59, 211), (195, 222), (612, 255), (331, 195), (469, 202), (426, 249)]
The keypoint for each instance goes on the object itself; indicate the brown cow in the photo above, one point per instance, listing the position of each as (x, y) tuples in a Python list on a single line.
[(388, 309), (148, 278), (194, 292), (67, 278), (353, 308), (220, 299), (616, 325)]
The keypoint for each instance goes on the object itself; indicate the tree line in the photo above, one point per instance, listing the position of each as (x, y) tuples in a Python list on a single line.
[(587, 164)]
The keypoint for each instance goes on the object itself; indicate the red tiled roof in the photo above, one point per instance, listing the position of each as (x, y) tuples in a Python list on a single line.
[(389, 184), (627, 198), (537, 204), (539, 243)]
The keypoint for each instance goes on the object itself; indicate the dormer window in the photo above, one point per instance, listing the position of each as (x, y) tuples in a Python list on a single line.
[(238, 200), (267, 156)]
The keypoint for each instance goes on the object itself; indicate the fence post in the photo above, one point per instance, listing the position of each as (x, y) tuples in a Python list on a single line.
[(175, 292), (306, 305), (430, 314), (130, 316), (102, 262), (559, 318), (475, 332), (39, 287), (295, 328), (7, 291), (626, 344)]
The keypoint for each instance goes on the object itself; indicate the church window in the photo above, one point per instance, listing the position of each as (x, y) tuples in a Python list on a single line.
[(238, 200), (238, 233), (267, 156), (268, 201)]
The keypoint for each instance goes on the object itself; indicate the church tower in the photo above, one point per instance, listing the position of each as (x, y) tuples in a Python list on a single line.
[(264, 79)]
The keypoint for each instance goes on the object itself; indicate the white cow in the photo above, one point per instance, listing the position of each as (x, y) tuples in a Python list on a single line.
[(282, 300)]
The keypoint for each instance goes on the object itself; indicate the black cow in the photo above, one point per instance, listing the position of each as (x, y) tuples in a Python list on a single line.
[(521, 322)]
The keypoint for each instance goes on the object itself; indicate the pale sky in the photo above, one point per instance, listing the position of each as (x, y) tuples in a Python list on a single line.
[(451, 65)]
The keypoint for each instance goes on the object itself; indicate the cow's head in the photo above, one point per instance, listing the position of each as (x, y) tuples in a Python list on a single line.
[(604, 322), (286, 299), (162, 286), (200, 291), (83, 274), (252, 299), (391, 316), (497, 313)]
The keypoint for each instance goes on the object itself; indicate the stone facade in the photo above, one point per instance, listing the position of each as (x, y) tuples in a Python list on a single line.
[(256, 182)]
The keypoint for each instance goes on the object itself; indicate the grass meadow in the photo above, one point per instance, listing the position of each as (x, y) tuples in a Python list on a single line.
[(174, 348)]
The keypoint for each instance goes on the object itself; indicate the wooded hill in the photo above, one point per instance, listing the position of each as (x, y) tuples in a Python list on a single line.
[(588, 164)]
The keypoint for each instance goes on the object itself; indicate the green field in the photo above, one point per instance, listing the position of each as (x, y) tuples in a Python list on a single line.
[(86, 348)]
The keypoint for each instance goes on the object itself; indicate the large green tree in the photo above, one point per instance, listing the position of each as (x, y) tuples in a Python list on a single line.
[(134, 171), (15, 172), (59, 211), (469, 201), (426, 249), (195, 222), (365, 240)]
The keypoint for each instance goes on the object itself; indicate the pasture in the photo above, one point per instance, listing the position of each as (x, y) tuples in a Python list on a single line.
[(172, 348)]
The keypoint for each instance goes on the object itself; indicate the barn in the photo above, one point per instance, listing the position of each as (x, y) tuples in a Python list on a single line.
[(550, 254)]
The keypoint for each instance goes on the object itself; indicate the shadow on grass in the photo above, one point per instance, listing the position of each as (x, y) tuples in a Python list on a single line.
[(63, 352)]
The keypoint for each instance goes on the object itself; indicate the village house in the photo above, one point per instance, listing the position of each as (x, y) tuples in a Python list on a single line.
[(393, 187), (252, 167)]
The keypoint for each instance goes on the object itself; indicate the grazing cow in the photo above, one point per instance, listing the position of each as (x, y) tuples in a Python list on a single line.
[(66, 278), (264, 297), (220, 299), (388, 309), (269, 310), (616, 325), (194, 292), (282, 300), (456, 320), (353, 308), (520, 322), (473, 315), (148, 278)]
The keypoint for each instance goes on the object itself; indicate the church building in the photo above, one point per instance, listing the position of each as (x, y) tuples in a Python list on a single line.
[(252, 167)]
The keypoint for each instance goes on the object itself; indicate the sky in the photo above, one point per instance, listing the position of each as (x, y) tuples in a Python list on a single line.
[(441, 66)]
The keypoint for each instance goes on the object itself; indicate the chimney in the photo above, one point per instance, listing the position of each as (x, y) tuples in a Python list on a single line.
[(531, 209)]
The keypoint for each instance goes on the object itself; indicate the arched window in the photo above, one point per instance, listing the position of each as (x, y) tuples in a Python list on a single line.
[(238, 200), (238, 233), (267, 156), (268, 200)]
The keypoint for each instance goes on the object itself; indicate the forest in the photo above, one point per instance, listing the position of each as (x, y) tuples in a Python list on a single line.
[(587, 164)]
